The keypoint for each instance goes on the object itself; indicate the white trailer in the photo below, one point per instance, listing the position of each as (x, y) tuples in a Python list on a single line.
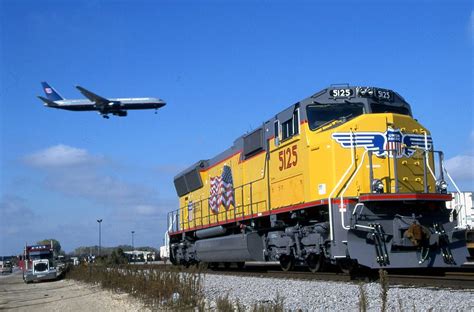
[(463, 207), (165, 250)]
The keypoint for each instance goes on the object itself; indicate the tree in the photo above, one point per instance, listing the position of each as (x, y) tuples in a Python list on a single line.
[(56, 244), (118, 257)]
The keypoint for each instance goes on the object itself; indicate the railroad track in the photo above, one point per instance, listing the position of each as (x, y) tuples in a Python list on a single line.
[(458, 279)]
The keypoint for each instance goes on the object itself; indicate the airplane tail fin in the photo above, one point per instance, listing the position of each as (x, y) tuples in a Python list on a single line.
[(51, 94)]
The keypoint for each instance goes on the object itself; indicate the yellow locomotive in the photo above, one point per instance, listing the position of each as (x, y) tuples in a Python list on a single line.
[(346, 176)]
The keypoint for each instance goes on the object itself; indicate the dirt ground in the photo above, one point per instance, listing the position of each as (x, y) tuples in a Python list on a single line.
[(62, 295)]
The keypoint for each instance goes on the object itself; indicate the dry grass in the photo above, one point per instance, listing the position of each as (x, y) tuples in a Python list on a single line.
[(157, 288), (224, 304), (275, 306), (163, 288), (363, 302), (383, 279)]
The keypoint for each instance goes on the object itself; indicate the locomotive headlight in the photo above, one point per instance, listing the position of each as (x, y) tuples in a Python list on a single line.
[(442, 186), (377, 186), (365, 91)]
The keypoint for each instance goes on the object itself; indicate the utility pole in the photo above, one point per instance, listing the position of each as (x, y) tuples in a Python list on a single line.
[(100, 234)]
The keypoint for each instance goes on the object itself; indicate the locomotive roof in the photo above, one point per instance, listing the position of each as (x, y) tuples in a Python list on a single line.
[(333, 95)]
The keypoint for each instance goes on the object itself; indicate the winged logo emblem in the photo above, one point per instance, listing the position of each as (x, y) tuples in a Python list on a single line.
[(392, 142)]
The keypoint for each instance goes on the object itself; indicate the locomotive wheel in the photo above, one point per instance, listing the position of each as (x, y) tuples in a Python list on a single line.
[(348, 266), (315, 262), (287, 263), (226, 265), (240, 265)]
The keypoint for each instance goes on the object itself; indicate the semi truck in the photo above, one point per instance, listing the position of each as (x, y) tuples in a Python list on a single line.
[(39, 264)]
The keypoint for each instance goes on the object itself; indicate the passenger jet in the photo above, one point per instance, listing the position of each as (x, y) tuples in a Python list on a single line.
[(94, 102)]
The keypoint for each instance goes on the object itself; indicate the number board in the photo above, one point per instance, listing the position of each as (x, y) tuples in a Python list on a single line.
[(383, 94), (341, 93), (288, 157)]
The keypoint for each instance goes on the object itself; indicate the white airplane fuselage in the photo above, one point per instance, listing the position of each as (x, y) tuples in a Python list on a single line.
[(118, 103)]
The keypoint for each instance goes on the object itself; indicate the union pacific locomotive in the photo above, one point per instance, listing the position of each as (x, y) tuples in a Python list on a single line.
[(346, 176)]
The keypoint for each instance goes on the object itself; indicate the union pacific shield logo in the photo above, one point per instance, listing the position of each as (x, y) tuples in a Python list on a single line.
[(392, 143)]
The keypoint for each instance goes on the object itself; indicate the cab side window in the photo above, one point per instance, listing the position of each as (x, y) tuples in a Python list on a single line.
[(291, 127)]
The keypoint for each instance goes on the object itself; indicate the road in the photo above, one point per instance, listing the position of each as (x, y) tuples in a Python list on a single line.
[(62, 295)]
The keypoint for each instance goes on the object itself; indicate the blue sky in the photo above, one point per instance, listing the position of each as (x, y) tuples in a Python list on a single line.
[(223, 67)]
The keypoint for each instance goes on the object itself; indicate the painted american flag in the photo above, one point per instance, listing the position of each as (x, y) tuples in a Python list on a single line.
[(222, 190), (214, 193)]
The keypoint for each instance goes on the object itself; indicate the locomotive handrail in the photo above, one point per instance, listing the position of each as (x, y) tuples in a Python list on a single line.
[(331, 231), (345, 189), (197, 220), (427, 156), (235, 189), (442, 168), (462, 204)]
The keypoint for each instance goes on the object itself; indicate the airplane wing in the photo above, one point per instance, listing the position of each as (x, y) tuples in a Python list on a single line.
[(97, 99)]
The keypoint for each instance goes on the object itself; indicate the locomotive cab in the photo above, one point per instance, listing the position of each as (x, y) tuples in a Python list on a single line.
[(388, 198)]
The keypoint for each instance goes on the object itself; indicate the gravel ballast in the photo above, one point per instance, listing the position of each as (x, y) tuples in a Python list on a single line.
[(332, 296)]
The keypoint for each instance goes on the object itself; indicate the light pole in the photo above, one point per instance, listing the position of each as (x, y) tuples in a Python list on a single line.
[(100, 233), (133, 248), (133, 245)]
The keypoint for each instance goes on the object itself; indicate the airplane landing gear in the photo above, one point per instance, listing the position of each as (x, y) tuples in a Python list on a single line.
[(106, 116)]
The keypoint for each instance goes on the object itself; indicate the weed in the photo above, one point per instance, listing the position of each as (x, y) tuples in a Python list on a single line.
[(276, 306), (363, 303), (223, 304), (156, 287), (400, 304), (383, 279)]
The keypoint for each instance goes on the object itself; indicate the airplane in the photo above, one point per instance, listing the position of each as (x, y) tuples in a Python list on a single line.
[(94, 102)]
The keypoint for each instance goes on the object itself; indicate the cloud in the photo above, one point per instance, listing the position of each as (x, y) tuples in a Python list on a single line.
[(14, 214), (76, 173), (100, 188), (146, 210), (60, 156), (461, 167)]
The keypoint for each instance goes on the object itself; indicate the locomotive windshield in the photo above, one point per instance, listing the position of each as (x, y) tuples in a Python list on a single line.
[(321, 114), (382, 108)]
